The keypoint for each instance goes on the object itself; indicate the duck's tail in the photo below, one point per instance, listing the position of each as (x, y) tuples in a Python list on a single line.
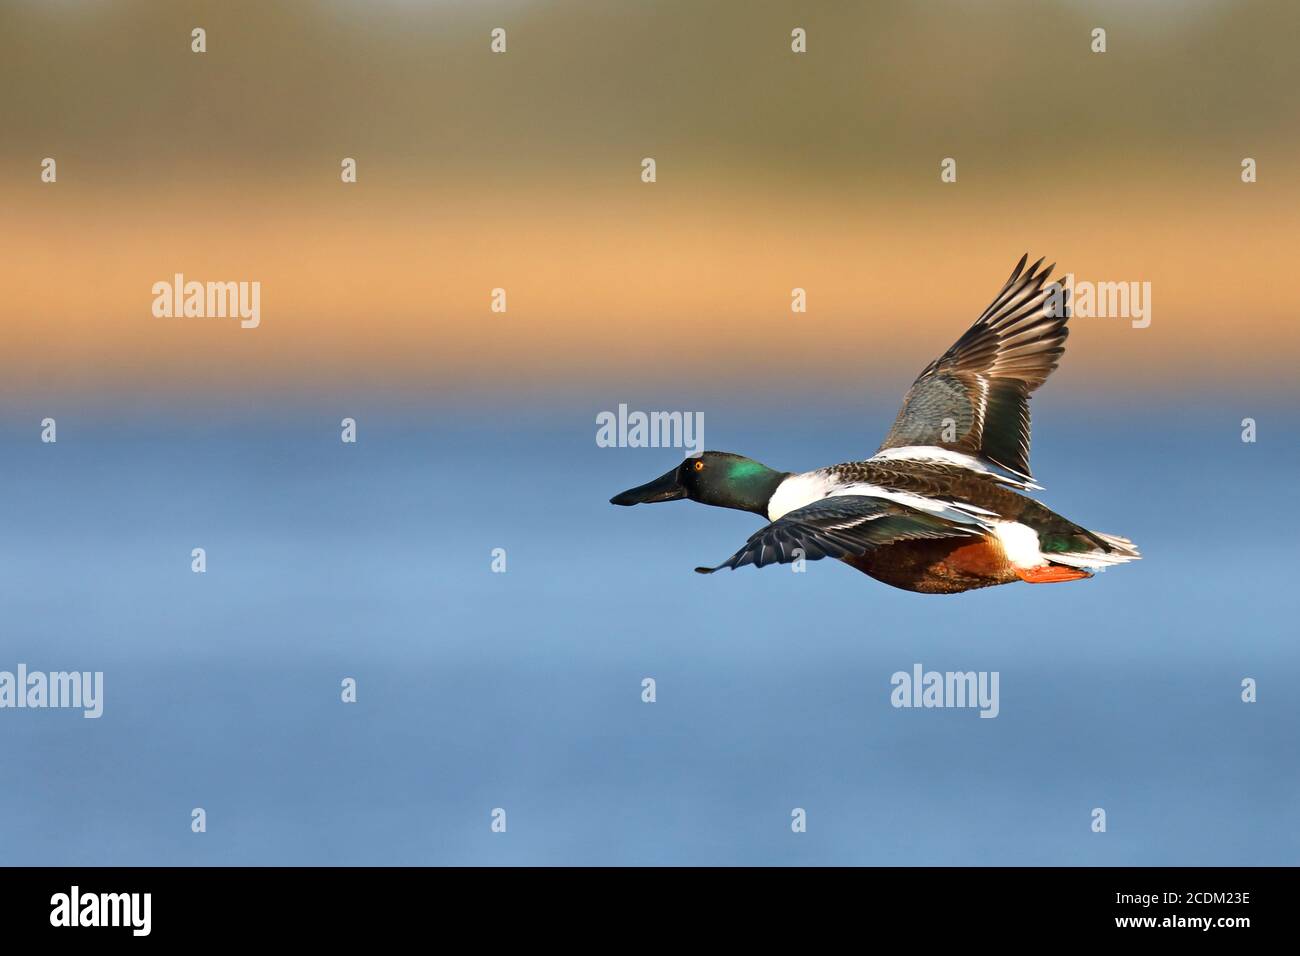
[(1114, 550)]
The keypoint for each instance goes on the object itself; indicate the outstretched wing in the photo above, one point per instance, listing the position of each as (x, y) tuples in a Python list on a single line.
[(838, 527), (974, 399)]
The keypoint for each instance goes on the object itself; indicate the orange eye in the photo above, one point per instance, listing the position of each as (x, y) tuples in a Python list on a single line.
[(699, 465)]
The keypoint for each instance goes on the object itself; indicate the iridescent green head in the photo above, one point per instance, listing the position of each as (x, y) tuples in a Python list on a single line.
[(713, 478)]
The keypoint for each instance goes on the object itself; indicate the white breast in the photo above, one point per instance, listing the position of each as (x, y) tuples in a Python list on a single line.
[(797, 491)]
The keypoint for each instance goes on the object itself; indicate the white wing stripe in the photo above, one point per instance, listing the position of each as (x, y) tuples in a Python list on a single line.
[(947, 456)]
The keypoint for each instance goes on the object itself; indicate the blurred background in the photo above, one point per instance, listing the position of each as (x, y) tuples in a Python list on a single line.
[(477, 430)]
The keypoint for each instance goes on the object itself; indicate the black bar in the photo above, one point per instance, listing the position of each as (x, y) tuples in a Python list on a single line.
[(206, 905)]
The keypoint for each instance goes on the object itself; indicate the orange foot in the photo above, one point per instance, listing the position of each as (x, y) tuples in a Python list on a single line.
[(1051, 574)]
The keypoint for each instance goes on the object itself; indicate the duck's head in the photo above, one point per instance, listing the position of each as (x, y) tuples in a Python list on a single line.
[(712, 478)]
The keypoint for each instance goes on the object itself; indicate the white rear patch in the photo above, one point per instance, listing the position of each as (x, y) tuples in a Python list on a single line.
[(1020, 542)]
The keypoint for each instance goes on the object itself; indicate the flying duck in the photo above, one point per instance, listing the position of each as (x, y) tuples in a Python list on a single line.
[(938, 508)]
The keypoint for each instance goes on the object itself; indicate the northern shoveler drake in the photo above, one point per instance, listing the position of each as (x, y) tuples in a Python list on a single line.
[(938, 508)]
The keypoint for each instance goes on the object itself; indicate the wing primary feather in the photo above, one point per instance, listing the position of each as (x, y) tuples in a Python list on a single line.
[(984, 381)]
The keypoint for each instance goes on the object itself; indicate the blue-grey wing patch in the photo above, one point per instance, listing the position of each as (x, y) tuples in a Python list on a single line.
[(839, 527), (974, 399)]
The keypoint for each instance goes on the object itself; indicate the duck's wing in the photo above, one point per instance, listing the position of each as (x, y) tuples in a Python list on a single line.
[(839, 527), (971, 404)]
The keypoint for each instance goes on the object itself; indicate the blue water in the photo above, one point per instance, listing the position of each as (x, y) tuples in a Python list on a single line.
[(522, 690)]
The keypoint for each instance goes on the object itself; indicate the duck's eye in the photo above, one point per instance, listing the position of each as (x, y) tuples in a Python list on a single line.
[(699, 465)]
